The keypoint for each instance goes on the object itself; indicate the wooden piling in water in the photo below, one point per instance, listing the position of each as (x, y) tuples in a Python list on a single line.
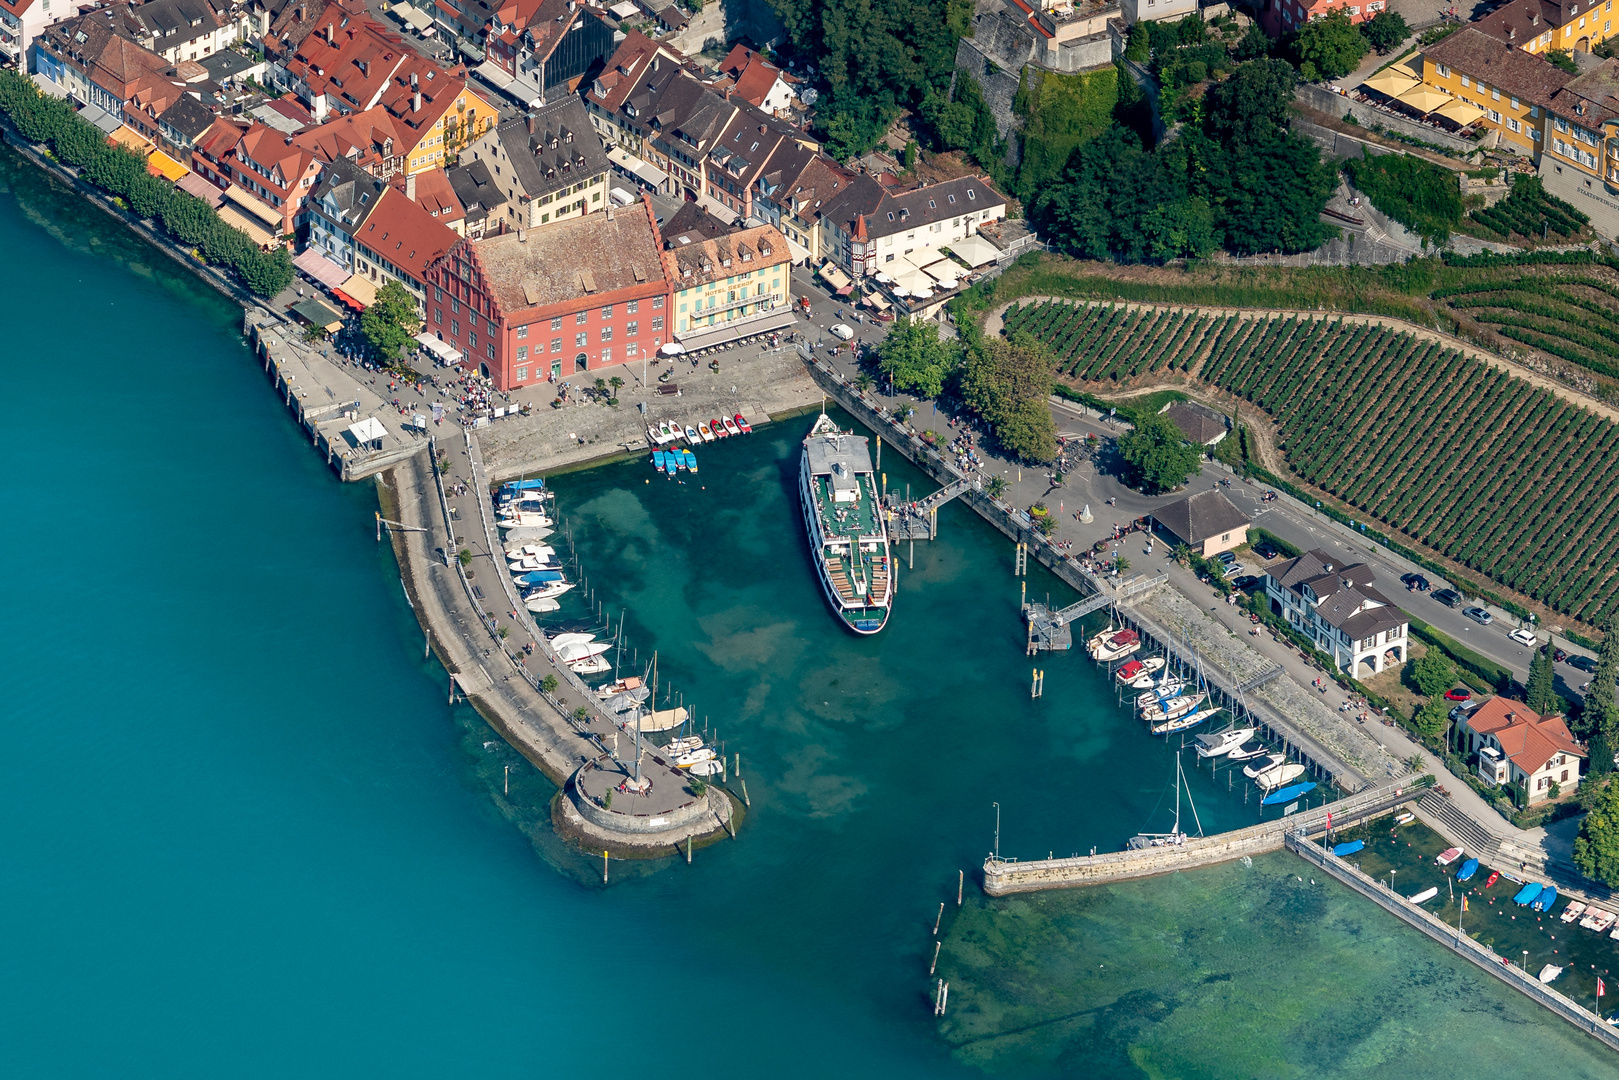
[(935, 964), (939, 918), (961, 881), (745, 801)]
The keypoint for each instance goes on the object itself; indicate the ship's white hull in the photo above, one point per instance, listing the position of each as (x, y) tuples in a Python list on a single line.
[(817, 540)]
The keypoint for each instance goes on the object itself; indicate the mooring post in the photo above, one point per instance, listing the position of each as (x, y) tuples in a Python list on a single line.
[(961, 881), (938, 918), (452, 689), (604, 866), (688, 851), (745, 801), (933, 966)]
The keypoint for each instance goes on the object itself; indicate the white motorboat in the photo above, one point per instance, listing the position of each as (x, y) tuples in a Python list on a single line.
[(1425, 895), (560, 640), (692, 437), (530, 564), (575, 651), (632, 686), (550, 590), (524, 534), (705, 432), (1117, 647), (524, 519), (541, 605), (1221, 743), (1547, 973), (1172, 708), (1269, 761), (706, 768), (684, 744), (1184, 723), (591, 665), (531, 551), (692, 757), (1144, 680), (1133, 670), (1095, 641), (1248, 750), (1164, 688), (1279, 776)]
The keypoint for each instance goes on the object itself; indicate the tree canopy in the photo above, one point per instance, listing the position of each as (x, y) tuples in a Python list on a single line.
[(1156, 455), (391, 322), (1433, 673), (1385, 30), (1539, 693), (1599, 715), (1330, 48), (1420, 195), (1007, 384), (914, 358), (1596, 849)]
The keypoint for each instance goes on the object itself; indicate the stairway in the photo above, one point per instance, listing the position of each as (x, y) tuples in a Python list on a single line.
[(1479, 841)]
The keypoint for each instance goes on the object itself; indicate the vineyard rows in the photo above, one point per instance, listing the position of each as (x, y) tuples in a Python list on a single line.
[(1107, 341), (1549, 315), (1498, 475)]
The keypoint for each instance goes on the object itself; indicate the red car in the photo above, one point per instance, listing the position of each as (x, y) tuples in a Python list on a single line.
[(1459, 693)]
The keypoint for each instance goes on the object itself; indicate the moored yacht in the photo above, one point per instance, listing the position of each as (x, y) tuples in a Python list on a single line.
[(843, 518), (1221, 743)]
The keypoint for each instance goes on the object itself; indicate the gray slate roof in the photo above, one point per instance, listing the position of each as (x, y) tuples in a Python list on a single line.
[(476, 189), (553, 147), (1197, 517), (1199, 423), (1345, 597)]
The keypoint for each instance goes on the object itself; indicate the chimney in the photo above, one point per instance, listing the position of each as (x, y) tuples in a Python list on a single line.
[(329, 34), (522, 236), (410, 186), (416, 102), (301, 15), (413, 85)]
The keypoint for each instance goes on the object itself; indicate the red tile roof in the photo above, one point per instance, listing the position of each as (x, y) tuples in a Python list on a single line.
[(1527, 738), (406, 235)]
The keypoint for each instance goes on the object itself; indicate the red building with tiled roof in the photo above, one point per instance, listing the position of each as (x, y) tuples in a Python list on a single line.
[(573, 296), (1520, 747), (399, 241)]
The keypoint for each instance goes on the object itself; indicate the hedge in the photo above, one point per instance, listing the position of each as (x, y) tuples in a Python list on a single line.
[(122, 172)]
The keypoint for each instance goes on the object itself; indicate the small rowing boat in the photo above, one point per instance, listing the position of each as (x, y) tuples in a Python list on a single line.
[(1495, 875), (1425, 895), (704, 432), (1549, 972), (1350, 848), (731, 427), (1448, 856), (747, 428), (1404, 817), (718, 429), (1469, 868)]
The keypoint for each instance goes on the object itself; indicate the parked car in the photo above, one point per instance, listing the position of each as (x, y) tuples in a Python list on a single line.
[(1414, 581), (1584, 663), (1266, 551), (1458, 693), (1558, 655), (1479, 615), (842, 331), (1233, 570), (1523, 637), (1448, 597), (1247, 581), (1227, 557)]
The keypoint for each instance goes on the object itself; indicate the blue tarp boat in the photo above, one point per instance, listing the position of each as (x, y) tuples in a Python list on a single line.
[(539, 577), (1287, 794), (1348, 849), (657, 459), (671, 462), (1547, 897), (689, 458), (1527, 894), (1469, 868), (523, 485)]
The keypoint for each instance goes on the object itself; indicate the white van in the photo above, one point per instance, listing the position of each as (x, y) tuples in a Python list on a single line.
[(621, 197)]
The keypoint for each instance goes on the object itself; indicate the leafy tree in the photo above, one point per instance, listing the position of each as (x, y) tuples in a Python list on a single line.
[(1539, 693), (1254, 44), (390, 323), (1007, 383), (1330, 48), (1433, 673), (266, 273), (1599, 716), (1431, 720), (1252, 106), (1385, 30), (1596, 849), (1564, 59), (1140, 48), (914, 358), (1157, 456), (1420, 195)]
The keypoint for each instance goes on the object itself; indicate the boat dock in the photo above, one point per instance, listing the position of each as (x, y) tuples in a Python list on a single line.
[(1005, 876)]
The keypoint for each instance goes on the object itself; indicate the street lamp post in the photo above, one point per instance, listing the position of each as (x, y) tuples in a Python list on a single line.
[(997, 832)]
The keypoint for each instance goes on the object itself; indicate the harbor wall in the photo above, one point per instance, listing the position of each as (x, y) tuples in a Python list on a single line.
[(1003, 877), (1456, 940)]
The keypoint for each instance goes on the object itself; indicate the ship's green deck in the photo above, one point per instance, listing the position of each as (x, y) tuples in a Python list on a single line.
[(850, 520)]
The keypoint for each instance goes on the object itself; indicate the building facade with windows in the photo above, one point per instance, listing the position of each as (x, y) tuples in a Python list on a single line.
[(1517, 746), (1581, 134), (548, 165), (1512, 87), (1541, 26), (573, 296), (1337, 607), (731, 286)]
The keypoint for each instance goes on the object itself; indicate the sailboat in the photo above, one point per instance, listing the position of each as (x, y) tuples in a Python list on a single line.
[(1174, 837)]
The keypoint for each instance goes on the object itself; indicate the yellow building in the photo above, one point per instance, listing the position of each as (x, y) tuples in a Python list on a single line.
[(1539, 26), (1509, 87), (730, 287)]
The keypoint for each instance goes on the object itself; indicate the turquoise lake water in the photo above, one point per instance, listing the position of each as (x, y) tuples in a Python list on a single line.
[(245, 836)]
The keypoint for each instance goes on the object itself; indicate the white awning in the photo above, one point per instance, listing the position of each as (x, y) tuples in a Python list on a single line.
[(835, 277), (320, 268), (641, 170), (975, 250), (439, 348), (368, 430), (255, 206), (758, 324)]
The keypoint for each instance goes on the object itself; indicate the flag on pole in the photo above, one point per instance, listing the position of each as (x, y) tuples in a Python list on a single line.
[(1600, 988), (1464, 903), (1329, 819)]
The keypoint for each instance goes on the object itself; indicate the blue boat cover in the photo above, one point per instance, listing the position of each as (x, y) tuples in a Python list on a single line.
[(1348, 849), (689, 458), (539, 577), (523, 485), (1287, 794), (657, 459), (1527, 894), (1546, 899), (1469, 868)]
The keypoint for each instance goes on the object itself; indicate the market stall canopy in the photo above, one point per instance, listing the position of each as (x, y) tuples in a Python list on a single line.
[(1460, 111), (1391, 81), (320, 268), (160, 164), (316, 312), (230, 215), (360, 290), (369, 430), (836, 278), (413, 17), (438, 347), (1423, 98), (974, 250)]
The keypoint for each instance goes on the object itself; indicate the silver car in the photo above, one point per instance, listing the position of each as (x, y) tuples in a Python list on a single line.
[(1479, 615)]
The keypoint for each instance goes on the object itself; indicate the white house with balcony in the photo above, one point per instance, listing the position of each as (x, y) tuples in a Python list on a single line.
[(1336, 607)]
